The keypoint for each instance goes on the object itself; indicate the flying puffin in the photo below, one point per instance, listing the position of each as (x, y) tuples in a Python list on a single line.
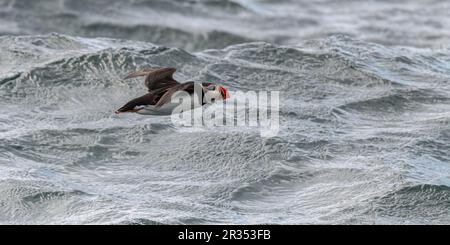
[(162, 86)]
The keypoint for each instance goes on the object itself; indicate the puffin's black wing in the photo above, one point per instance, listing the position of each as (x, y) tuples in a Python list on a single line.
[(187, 87), (156, 77)]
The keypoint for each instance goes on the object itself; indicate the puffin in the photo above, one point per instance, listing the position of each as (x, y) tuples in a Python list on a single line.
[(163, 88)]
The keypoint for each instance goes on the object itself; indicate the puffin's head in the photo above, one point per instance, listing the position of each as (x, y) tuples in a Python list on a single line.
[(216, 92)]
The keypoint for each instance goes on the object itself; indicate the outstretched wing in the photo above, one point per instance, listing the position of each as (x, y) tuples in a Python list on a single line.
[(156, 77), (187, 87)]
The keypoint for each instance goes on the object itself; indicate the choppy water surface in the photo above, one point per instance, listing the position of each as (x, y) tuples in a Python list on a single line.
[(365, 113)]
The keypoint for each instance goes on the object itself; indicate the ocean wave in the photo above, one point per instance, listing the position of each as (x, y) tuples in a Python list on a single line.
[(357, 120), (418, 204)]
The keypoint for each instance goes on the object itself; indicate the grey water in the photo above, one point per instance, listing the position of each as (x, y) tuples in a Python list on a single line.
[(364, 112)]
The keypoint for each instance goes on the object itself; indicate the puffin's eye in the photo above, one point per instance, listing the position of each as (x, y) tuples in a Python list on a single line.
[(212, 87)]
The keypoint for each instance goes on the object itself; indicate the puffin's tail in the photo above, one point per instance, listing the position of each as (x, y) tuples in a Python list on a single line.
[(132, 105)]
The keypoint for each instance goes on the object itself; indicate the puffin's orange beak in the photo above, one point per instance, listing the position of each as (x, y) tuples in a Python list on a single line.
[(224, 92)]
